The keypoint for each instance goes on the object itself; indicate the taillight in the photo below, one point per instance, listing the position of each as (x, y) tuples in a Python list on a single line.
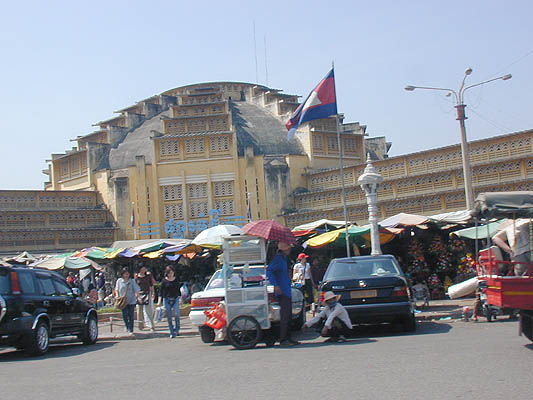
[(400, 291), (15, 285), (206, 302)]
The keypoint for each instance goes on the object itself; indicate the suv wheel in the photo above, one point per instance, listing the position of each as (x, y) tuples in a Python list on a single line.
[(409, 324), (40, 339), (90, 331)]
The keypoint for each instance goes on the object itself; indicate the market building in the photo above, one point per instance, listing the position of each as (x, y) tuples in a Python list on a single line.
[(52, 221), (210, 153), (425, 183), (200, 155)]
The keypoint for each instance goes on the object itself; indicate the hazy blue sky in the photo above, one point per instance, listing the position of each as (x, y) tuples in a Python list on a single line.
[(67, 65)]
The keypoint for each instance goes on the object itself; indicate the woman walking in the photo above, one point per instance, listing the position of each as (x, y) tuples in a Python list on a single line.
[(170, 296), (146, 297), (129, 288)]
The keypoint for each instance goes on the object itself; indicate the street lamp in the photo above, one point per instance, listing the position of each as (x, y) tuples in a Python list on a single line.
[(369, 182), (461, 116)]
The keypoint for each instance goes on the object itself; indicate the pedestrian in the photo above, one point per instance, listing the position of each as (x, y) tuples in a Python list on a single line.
[(278, 275), (71, 279), (334, 321), (317, 270), (129, 288), (302, 272), (100, 288), (145, 307), (170, 297), (515, 240), (92, 295)]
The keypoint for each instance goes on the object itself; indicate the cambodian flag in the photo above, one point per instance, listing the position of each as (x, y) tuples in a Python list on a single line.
[(320, 103)]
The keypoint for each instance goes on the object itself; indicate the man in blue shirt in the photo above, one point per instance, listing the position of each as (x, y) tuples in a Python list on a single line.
[(278, 276)]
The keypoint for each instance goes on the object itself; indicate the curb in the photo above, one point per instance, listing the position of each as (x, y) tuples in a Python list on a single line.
[(433, 317), (143, 336)]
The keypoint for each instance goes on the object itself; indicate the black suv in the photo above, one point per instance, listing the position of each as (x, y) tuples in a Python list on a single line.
[(36, 305)]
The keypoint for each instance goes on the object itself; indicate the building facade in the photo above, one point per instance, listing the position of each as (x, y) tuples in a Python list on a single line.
[(201, 155), (51, 221), (426, 183)]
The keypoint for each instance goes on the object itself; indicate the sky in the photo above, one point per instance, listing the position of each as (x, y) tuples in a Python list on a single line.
[(67, 65)]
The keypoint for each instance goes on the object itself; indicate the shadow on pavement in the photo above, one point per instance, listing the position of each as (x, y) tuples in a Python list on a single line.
[(56, 350), (349, 342), (422, 328)]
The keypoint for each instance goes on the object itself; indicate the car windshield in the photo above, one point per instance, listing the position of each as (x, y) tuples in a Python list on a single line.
[(216, 281), (355, 269), (4, 281)]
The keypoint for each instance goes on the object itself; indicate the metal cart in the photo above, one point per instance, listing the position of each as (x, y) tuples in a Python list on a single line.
[(246, 297)]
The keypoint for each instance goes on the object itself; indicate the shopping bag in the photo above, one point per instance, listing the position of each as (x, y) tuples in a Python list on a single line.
[(159, 314)]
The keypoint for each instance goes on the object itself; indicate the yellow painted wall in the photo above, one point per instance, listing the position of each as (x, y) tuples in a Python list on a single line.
[(81, 183)]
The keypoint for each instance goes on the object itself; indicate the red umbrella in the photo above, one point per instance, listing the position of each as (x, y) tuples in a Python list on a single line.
[(270, 230)]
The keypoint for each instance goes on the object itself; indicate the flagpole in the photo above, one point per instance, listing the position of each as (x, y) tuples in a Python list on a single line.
[(341, 162)]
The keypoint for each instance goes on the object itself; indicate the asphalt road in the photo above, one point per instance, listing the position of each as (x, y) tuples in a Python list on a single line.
[(442, 360)]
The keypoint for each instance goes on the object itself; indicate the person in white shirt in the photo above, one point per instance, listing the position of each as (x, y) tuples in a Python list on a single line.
[(515, 240), (303, 276), (337, 323)]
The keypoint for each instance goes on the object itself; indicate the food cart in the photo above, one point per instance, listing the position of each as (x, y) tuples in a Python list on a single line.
[(514, 292), (246, 296)]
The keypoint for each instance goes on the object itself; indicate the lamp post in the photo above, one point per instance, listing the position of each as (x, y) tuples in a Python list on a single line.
[(461, 116), (369, 182)]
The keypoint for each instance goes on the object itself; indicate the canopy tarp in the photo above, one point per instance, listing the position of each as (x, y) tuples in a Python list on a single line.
[(403, 219), (23, 257), (504, 204), (454, 217), (358, 235), (66, 261), (478, 232), (327, 224)]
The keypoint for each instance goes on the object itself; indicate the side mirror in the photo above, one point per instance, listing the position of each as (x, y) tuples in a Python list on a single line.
[(76, 292)]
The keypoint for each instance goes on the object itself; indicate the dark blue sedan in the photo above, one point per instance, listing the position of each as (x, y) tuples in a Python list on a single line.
[(373, 290)]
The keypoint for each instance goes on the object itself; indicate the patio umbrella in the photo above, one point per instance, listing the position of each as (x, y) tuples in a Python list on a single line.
[(214, 236), (270, 230)]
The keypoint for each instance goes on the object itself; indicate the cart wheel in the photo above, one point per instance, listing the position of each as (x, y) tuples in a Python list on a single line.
[(244, 332), (488, 313)]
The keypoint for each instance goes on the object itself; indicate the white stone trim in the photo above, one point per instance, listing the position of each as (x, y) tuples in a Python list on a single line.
[(196, 179), (223, 176), (170, 180)]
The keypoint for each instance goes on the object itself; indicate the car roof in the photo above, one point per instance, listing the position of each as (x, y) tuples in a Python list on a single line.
[(242, 266), (24, 267), (362, 258)]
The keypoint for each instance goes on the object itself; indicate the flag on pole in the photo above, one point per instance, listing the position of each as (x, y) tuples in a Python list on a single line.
[(133, 215), (320, 103)]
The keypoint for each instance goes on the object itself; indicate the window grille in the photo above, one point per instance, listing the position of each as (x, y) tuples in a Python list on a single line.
[(197, 125), (198, 209), (173, 211), (225, 207), (64, 168), (194, 145), (223, 189), (172, 192), (318, 143), (349, 145), (219, 143), (332, 143), (197, 190)]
